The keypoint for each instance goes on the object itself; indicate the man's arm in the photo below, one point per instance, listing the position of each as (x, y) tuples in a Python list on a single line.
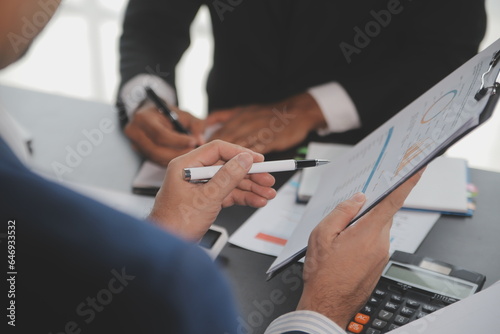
[(155, 36), (343, 264)]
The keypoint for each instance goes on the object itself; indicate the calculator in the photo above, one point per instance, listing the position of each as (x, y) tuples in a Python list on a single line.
[(411, 287)]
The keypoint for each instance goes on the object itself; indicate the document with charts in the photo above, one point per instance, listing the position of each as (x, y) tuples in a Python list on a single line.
[(401, 146)]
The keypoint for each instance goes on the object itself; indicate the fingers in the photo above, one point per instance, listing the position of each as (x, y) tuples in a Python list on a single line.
[(217, 150), (246, 198), (221, 116), (195, 125), (260, 189), (337, 220), (230, 175), (241, 126), (153, 135), (381, 215), (156, 153), (159, 129), (263, 179)]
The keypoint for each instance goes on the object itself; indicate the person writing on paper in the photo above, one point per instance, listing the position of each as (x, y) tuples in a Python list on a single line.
[(288, 72), (87, 268)]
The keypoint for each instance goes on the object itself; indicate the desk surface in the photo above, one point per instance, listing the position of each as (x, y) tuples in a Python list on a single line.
[(57, 122), (471, 243)]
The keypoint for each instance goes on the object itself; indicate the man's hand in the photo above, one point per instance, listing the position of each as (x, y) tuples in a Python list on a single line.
[(270, 127), (153, 135), (188, 209), (343, 264)]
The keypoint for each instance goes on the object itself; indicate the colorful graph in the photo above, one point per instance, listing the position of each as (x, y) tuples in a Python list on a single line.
[(379, 159), (439, 106), (413, 152)]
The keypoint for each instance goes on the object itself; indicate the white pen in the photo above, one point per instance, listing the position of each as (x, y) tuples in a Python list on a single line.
[(205, 173)]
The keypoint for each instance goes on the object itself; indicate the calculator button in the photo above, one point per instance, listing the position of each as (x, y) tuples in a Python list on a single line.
[(396, 298), (379, 293), (421, 315), (377, 323), (367, 309), (362, 318), (391, 327), (355, 327), (407, 311), (373, 300), (372, 331), (385, 315), (400, 320), (412, 303), (429, 308), (391, 306)]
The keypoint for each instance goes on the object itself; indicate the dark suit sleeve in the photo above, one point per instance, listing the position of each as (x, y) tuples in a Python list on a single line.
[(155, 35), (428, 39), (84, 267)]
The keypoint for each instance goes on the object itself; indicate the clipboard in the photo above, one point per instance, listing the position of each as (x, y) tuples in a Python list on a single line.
[(400, 147)]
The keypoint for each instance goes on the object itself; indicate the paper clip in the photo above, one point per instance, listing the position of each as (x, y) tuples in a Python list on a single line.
[(483, 90)]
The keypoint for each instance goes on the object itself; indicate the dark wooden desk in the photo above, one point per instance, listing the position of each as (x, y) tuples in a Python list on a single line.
[(472, 243)]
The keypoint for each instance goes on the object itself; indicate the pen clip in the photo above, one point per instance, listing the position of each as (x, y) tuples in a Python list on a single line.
[(483, 89)]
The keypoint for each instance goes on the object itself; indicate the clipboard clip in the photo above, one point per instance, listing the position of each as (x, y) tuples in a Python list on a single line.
[(483, 90)]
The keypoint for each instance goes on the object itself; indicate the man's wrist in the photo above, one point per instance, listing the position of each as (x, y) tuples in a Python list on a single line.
[(331, 303), (338, 109), (133, 93), (304, 321), (308, 111)]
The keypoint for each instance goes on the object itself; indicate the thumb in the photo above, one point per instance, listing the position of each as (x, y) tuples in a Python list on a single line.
[(230, 175), (197, 127), (342, 214)]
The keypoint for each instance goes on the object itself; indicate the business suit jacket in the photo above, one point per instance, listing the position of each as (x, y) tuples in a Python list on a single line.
[(267, 50), (83, 266)]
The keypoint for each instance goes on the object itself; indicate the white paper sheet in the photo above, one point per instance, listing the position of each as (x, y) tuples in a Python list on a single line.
[(396, 149), (268, 229)]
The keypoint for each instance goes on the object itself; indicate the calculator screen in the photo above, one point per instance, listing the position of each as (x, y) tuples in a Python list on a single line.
[(438, 283)]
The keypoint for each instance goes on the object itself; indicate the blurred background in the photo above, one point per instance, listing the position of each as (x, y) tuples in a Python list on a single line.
[(77, 56)]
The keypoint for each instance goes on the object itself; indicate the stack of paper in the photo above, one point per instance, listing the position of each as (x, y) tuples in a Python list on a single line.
[(443, 187), (269, 228)]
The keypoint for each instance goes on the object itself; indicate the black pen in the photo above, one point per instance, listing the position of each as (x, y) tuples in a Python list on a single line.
[(171, 115)]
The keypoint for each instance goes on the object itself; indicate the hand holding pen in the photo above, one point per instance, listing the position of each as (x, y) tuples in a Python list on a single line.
[(195, 174), (171, 115), (154, 134)]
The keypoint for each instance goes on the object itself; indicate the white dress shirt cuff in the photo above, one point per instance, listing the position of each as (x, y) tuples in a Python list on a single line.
[(304, 321), (133, 93), (338, 109)]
